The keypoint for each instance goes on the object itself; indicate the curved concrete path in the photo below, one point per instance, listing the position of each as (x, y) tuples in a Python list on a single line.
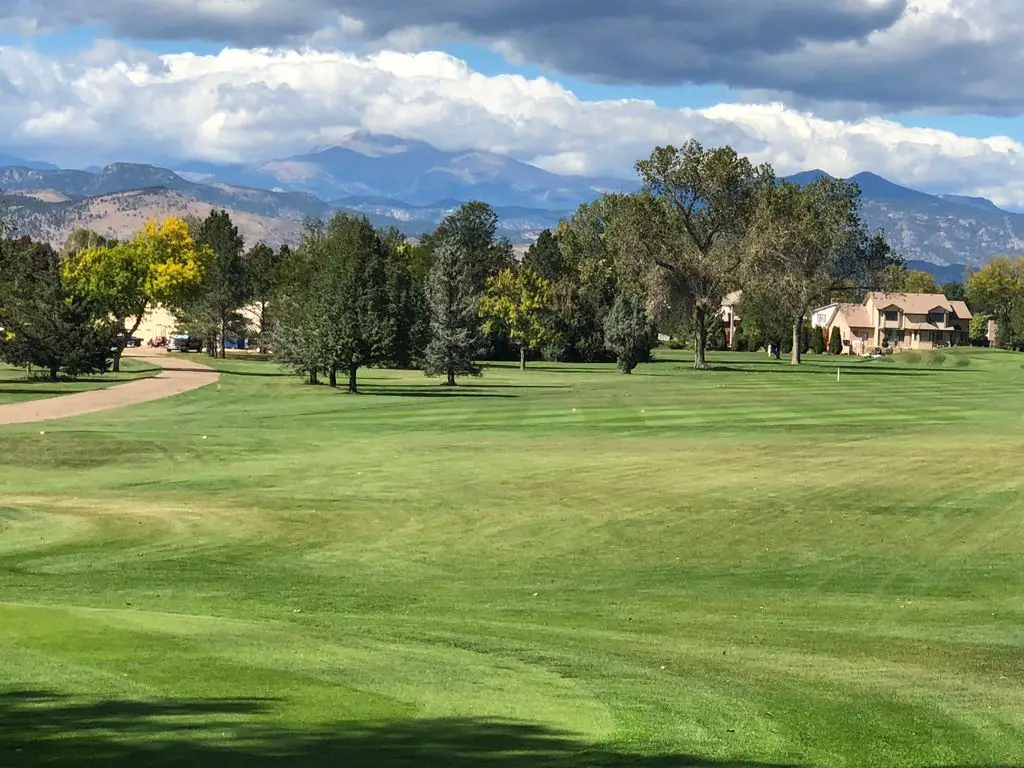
[(180, 374)]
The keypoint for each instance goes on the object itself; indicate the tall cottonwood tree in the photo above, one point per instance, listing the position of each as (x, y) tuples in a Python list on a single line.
[(807, 242), (455, 336), (687, 224)]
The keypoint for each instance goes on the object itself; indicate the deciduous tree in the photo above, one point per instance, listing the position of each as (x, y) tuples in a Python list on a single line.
[(160, 265), (998, 289), (917, 281), (955, 291), (805, 243), (688, 223), (519, 302)]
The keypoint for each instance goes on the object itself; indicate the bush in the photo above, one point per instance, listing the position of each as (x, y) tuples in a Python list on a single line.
[(913, 357), (963, 362), (835, 341), (818, 343), (674, 343), (936, 357)]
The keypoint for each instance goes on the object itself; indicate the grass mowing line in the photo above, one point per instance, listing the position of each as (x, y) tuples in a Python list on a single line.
[(458, 561)]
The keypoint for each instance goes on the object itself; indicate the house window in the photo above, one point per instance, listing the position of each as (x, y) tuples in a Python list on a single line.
[(894, 336), (936, 318), (892, 315), (926, 335)]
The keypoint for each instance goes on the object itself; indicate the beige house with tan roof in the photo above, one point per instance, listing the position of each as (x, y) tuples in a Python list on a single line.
[(902, 321)]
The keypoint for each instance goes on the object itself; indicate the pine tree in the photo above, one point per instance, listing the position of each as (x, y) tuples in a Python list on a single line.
[(454, 326), (628, 333), (835, 342), (818, 340)]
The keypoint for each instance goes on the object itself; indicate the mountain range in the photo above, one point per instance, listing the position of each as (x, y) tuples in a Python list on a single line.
[(413, 185)]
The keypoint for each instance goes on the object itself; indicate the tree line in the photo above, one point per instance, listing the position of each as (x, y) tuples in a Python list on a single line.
[(705, 222)]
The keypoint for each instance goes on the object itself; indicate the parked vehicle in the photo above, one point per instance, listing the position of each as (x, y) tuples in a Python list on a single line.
[(182, 342)]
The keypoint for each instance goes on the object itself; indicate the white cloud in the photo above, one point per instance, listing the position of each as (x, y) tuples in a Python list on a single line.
[(881, 55), (248, 105)]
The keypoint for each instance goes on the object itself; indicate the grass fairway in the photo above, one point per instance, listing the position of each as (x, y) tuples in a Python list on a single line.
[(757, 566), (16, 386)]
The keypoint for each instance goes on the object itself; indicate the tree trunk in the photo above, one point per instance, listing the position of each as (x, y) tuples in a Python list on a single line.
[(798, 340), (522, 358), (352, 379), (333, 377), (116, 368), (700, 348), (314, 376), (451, 377), (222, 349), (54, 370)]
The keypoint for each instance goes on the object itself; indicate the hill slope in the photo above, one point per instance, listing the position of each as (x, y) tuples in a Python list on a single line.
[(413, 185)]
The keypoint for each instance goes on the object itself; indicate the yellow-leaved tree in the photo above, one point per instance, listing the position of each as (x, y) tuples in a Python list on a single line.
[(518, 301), (159, 266)]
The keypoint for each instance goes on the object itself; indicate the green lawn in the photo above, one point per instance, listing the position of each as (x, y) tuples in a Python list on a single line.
[(756, 566), (16, 385)]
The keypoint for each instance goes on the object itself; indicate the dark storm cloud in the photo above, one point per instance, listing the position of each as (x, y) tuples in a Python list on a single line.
[(893, 54)]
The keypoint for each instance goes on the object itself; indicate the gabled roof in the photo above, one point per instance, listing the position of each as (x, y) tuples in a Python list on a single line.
[(912, 303), (856, 315), (961, 311)]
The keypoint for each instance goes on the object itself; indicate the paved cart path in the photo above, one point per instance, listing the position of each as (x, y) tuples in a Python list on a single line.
[(179, 374)]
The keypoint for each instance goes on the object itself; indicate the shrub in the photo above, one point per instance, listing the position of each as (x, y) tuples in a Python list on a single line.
[(674, 343), (936, 357), (818, 343), (963, 362), (835, 342), (913, 357)]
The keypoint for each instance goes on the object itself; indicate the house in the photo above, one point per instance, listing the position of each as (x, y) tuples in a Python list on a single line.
[(728, 316), (901, 321)]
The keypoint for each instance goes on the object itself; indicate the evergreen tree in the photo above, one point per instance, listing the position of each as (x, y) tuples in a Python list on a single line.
[(545, 257), (818, 343), (359, 329), (262, 267), (628, 333), (455, 337), (46, 325), (214, 313), (835, 341)]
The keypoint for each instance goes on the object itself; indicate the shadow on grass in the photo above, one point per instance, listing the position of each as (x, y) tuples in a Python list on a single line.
[(447, 392), (39, 728)]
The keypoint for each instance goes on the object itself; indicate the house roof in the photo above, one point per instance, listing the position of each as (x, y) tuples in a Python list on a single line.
[(960, 310), (912, 303), (856, 315)]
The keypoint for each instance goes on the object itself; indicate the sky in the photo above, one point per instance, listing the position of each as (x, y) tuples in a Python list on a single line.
[(927, 93)]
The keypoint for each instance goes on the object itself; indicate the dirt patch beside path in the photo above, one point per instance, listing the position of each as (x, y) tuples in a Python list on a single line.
[(179, 374)]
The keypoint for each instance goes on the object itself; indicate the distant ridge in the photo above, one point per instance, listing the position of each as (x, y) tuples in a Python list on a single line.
[(412, 185)]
